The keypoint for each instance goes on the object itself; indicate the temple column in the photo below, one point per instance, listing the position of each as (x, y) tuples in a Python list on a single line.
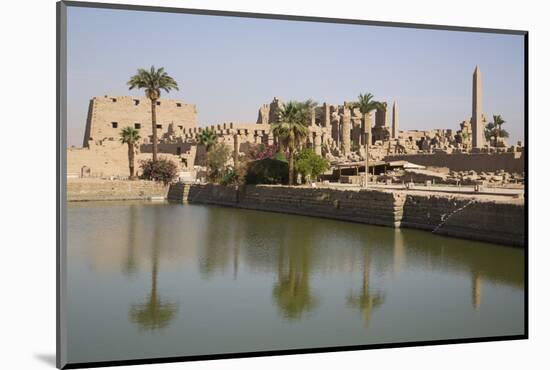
[(326, 115), (395, 121), (317, 141), (346, 131)]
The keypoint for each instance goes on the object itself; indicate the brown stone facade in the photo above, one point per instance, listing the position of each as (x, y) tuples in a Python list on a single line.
[(108, 115)]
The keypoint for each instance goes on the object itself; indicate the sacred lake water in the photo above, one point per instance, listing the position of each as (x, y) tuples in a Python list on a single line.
[(148, 280)]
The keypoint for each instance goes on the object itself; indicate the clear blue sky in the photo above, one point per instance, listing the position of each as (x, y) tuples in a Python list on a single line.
[(229, 66)]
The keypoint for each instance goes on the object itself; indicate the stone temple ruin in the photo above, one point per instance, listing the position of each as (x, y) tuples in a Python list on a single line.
[(336, 132)]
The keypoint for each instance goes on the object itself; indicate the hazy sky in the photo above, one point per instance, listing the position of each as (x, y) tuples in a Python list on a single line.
[(229, 66)]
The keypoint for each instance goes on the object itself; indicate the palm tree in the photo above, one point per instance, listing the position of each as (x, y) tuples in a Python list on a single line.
[(494, 129), (130, 136), (498, 122), (291, 129), (208, 138), (153, 81), (489, 131), (366, 105)]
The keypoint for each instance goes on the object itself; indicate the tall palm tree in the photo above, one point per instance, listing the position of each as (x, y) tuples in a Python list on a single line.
[(497, 123), (208, 138), (291, 129), (153, 81), (366, 105), (494, 129), (130, 136)]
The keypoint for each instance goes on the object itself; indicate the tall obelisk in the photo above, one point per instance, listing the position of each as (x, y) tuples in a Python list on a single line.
[(477, 123), (395, 121)]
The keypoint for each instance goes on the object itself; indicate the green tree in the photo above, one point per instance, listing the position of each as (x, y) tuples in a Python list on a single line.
[(365, 103), (310, 164), (489, 131), (162, 170), (153, 81), (499, 132), (216, 160), (208, 138), (130, 136), (291, 129), (494, 129)]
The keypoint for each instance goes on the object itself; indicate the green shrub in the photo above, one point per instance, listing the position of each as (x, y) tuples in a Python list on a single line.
[(230, 178), (162, 170), (280, 156), (216, 160), (310, 164), (267, 171)]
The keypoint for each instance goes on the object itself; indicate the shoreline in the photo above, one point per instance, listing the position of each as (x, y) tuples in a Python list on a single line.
[(493, 218), (499, 221)]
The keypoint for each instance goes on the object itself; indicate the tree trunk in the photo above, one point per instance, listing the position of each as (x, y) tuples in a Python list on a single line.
[(291, 167), (154, 127), (131, 159), (367, 142)]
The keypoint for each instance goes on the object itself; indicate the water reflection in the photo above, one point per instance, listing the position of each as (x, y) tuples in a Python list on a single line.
[(154, 313), (243, 274), (476, 290), (292, 292), (365, 300), (129, 265)]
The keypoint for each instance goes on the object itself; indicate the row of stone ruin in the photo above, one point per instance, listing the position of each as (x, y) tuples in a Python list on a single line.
[(500, 177), (341, 134)]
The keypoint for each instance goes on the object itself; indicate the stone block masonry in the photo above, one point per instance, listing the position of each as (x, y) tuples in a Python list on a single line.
[(484, 220), (487, 220), (108, 115), (372, 207), (96, 189)]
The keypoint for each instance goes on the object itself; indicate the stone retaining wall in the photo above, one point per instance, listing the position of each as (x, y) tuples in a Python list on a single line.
[(96, 189), (492, 221)]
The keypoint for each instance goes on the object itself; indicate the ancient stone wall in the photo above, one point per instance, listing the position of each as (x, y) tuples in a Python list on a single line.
[(512, 162), (108, 115), (372, 207), (97, 189), (492, 221), (109, 159)]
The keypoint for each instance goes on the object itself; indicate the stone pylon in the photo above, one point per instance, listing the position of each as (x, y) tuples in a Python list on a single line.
[(346, 131), (477, 121), (395, 121)]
